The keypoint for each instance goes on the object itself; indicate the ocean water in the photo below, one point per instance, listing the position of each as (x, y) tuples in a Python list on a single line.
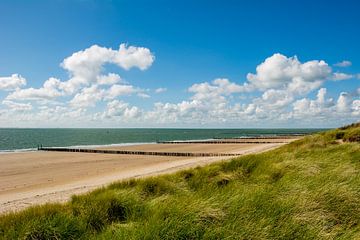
[(17, 139)]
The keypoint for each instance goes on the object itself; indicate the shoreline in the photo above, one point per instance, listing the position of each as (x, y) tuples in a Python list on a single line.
[(259, 136), (29, 150)]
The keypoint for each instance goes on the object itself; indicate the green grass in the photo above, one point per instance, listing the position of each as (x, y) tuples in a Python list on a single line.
[(309, 189)]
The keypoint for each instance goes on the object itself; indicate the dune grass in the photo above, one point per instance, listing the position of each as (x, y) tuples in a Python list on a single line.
[(309, 189)]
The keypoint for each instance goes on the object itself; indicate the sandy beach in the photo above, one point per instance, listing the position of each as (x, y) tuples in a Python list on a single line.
[(38, 177)]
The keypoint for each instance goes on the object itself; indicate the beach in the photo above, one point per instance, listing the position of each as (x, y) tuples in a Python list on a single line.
[(32, 178)]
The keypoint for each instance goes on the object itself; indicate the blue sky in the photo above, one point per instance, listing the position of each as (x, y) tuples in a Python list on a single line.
[(191, 43)]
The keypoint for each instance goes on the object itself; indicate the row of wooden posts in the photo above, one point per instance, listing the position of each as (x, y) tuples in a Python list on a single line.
[(175, 154), (268, 137), (218, 142)]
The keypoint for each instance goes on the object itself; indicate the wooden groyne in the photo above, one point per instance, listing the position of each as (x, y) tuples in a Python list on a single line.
[(292, 136), (172, 154), (219, 142)]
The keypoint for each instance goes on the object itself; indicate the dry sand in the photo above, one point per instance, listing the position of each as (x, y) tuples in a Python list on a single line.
[(38, 177)]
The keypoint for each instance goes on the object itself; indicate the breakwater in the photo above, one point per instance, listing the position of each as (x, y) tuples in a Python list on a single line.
[(173, 154), (218, 142)]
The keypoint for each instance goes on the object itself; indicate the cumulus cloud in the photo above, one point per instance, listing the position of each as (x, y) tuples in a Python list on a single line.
[(275, 98), (344, 63), (14, 106), (343, 102), (216, 90), (281, 72), (209, 103), (48, 91), (108, 79), (128, 57), (120, 109), (319, 107), (13, 82), (356, 107), (88, 97), (120, 90), (324, 110), (185, 111), (85, 66)]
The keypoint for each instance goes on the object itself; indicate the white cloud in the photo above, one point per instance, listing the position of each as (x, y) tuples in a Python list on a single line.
[(343, 102), (216, 90), (209, 103), (341, 110), (318, 108), (88, 97), (355, 106), (281, 72), (85, 66), (120, 109), (109, 79), (143, 95), (45, 116), (128, 57), (184, 111), (49, 91), (344, 63), (338, 76), (160, 90), (276, 98), (17, 106), (325, 111), (321, 96), (120, 90), (12, 82)]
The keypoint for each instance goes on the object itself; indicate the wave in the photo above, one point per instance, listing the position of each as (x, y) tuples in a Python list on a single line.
[(76, 146), (18, 150)]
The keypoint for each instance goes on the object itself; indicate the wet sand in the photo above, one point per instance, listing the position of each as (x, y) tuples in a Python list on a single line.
[(38, 177)]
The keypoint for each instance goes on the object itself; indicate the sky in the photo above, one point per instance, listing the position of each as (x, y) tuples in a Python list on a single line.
[(181, 64)]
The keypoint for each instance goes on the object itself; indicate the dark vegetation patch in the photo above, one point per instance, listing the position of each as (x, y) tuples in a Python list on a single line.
[(352, 135), (157, 186), (353, 126), (188, 174)]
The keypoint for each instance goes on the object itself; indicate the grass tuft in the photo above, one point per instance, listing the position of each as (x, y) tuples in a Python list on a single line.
[(156, 186)]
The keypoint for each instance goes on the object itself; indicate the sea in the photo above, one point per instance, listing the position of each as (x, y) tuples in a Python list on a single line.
[(28, 139)]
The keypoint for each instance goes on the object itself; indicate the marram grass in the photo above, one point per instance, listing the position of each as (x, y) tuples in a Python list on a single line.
[(309, 189)]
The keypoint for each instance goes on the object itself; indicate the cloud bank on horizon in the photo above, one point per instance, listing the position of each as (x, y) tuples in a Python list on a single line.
[(281, 90)]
